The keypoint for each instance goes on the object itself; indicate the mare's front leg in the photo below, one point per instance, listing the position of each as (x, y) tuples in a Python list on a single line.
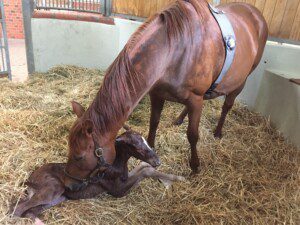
[(157, 105), (194, 108)]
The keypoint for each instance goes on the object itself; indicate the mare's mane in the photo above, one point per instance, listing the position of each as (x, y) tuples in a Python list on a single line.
[(122, 82)]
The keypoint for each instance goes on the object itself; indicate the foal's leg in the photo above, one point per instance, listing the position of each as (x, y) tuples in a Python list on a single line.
[(33, 213), (228, 103), (179, 120), (44, 197), (157, 105), (194, 113), (144, 170)]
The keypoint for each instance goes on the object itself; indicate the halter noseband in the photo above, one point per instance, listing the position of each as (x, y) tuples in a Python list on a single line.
[(94, 175)]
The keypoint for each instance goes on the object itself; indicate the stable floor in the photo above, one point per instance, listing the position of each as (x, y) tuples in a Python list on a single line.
[(250, 176)]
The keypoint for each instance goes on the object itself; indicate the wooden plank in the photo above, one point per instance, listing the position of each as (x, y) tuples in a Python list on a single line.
[(288, 18), (276, 20), (269, 10), (295, 33), (161, 4), (146, 8), (260, 4), (129, 7)]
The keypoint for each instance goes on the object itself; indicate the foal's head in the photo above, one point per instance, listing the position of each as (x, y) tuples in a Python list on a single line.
[(135, 145)]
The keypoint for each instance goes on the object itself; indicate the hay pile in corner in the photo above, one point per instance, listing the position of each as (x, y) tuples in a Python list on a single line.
[(251, 176)]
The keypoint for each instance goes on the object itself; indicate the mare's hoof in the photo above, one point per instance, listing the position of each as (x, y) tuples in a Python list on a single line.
[(218, 135), (178, 122), (195, 169)]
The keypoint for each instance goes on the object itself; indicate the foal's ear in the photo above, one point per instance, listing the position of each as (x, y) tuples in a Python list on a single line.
[(88, 127), (77, 109), (126, 127)]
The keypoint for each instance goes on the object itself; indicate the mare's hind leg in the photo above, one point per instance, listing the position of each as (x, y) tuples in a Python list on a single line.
[(229, 101), (179, 120), (157, 105)]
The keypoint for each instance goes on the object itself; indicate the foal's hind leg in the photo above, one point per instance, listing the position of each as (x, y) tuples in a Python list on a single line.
[(229, 101), (33, 213), (43, 197), (157, 105), (144, 170)]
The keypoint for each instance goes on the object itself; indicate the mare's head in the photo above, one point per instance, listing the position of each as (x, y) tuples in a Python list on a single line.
[(135, 145), (86, 150)]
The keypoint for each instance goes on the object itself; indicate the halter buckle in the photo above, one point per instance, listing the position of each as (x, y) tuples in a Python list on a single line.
[(98, 152)]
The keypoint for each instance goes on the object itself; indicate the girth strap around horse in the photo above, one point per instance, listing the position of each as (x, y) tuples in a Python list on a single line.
[(229, 42)]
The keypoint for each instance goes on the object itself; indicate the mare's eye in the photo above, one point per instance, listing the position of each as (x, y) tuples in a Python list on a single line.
[(78, 158)]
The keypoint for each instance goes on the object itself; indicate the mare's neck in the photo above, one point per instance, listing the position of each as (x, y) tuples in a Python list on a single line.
[(138, 67)]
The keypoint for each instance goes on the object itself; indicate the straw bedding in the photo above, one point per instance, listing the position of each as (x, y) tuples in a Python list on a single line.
[(251, 176)]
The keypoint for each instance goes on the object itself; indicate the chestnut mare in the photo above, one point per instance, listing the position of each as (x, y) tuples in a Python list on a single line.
[(176, 55)]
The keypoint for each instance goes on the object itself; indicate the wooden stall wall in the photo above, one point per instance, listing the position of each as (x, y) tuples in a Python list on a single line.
[(139, 8), (283, 16)]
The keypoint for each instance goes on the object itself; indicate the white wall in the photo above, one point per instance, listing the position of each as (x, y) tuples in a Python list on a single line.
[(86, 44), (269, 91)]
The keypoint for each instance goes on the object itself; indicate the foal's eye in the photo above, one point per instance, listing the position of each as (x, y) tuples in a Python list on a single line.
[(78, 158)]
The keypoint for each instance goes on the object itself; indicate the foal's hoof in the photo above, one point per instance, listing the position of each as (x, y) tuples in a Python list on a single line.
[(37, 221), (178, 122)]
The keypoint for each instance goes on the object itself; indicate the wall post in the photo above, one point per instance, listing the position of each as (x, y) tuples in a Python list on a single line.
[(216, 2), (108, 7), (28, 8)]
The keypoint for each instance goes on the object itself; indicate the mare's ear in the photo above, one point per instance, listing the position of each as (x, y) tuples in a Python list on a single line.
[(88, 127), (77, 109)]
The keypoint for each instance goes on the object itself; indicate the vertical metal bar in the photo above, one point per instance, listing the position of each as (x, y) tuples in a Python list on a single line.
[(27, 7), (102, 7), (108, 6), (5, 42), (2, 46)]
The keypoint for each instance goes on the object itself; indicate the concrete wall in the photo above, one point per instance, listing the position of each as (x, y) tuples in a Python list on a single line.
[(269, 91), (95, 45), (86, 44)]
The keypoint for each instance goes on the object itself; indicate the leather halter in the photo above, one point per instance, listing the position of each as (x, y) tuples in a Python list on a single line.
[(96, 174), (229, 43)]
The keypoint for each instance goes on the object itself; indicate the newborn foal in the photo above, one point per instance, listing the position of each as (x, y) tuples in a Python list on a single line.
[(46, 187)]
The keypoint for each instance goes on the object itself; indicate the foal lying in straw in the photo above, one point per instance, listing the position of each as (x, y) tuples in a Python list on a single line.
[(46, 187)]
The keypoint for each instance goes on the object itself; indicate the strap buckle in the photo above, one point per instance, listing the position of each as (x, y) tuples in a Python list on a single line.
[(99, 152)]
